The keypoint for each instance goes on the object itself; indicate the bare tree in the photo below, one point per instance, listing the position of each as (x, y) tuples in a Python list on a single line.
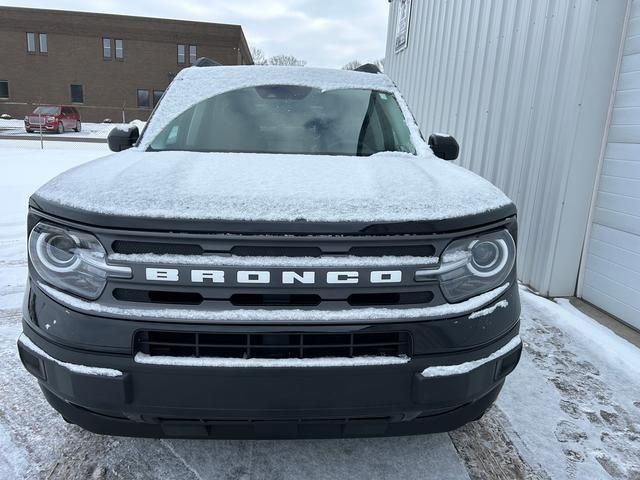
[(352, 65), (286, 60), (259, 58)]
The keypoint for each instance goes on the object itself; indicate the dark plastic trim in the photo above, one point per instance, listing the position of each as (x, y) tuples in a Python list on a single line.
[(91, 219), (274, 429)]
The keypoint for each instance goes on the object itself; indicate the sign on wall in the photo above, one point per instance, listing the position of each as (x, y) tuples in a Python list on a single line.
[(402, 24)]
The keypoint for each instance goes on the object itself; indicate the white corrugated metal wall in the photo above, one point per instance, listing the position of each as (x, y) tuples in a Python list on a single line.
[(525, 86), (611, 275)]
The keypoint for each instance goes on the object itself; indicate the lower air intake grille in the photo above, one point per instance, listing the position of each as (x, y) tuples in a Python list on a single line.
[(272, 345)]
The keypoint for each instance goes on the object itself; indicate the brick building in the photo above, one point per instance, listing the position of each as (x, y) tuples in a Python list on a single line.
[(109, 66)]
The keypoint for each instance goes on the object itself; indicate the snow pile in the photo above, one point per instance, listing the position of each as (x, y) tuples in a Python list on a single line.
[(10, 124), (289, 316), (214, 362), (25, 167), (260, 187), (609, 342)]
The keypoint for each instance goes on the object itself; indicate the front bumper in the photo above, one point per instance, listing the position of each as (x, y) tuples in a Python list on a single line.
[(119, 396), (36, 126)]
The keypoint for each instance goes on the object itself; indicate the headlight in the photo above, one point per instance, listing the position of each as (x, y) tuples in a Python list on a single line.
[(51, 119), (71, 260), (472, 266)]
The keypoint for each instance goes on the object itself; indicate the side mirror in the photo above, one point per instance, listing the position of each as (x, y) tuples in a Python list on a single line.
[(122, 138), (444, 146)]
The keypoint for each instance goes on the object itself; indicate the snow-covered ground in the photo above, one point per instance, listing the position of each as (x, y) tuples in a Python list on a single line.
[(15, 128), (570, 411), (573, 405)]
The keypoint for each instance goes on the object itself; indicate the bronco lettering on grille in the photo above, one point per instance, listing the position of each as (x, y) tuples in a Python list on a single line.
[(265, 277)]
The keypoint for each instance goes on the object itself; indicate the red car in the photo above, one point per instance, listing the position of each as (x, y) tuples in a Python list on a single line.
[(53, 118)]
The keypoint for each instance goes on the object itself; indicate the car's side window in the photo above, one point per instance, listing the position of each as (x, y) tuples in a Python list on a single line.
[(372, 134), (172, 137), (393, 114)]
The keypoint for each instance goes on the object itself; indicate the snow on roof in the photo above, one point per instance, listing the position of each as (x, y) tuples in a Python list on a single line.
[(195, 84), (224, 78)]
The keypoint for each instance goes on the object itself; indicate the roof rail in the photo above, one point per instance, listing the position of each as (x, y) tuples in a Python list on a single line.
[(368, 68), (206, 62)]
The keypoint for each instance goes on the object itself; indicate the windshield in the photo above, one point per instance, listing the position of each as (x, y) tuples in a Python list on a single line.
[(290, 120), (46, 111)]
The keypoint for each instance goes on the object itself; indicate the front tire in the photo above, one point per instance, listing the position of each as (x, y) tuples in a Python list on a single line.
[(60, 128), (78, 126)]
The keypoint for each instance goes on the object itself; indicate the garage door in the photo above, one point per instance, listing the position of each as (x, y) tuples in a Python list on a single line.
[(611, 278)]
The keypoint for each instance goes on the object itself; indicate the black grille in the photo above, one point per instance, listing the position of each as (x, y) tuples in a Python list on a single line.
[(272, 300), (272, 345), (398, 250), (248, 247), (274, 251), (258, 300), (125, 247), (151, 296)]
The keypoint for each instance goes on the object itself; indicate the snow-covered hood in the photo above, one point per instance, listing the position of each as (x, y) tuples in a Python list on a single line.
[(387, 187)]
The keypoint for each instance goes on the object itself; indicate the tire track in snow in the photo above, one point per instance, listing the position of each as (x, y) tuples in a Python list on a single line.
[(489, 453)]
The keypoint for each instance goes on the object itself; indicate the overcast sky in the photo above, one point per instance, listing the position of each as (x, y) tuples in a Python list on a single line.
[(325, 33)]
